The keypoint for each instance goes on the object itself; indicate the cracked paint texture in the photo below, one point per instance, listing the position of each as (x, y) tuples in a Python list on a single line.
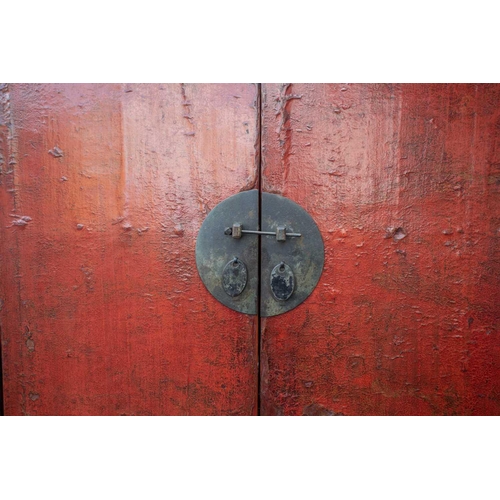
[(403, 182), (103, 310)]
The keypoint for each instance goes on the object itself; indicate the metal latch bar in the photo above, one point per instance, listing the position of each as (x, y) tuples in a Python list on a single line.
[(237, 231)]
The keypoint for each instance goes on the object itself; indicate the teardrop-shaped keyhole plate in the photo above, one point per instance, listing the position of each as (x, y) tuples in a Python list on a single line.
[(282, 281), (234, 277)]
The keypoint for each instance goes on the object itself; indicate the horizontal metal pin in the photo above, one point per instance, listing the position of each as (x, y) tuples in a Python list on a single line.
[(237, 231)]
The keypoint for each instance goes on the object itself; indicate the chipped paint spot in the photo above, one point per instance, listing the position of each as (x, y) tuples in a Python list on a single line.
[(20, 220), (396, 233), (56, 152), (317, 410), (30, 345)]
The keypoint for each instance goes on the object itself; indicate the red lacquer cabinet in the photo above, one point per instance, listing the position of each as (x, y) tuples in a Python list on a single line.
[(103, 191)]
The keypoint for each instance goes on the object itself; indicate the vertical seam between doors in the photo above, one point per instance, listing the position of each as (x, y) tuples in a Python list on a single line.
[(259, 247)]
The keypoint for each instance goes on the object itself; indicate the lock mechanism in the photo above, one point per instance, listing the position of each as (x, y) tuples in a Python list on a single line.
[(231, 245), (237, 231)]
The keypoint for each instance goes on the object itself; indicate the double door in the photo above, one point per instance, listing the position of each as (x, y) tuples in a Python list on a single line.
[(104, 189)]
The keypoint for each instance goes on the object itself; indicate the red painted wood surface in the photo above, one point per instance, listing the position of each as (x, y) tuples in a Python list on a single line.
[(103, 190), (403, 181)]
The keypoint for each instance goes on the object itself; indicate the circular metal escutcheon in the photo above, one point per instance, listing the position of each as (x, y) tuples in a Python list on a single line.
[(230, 244)]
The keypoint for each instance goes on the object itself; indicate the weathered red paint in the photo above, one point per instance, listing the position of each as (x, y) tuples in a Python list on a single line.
[(403, 181), (103, 191), (103, 311)]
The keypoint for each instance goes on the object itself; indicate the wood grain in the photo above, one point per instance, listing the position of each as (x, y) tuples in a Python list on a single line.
[(403, 181), (104, 188)]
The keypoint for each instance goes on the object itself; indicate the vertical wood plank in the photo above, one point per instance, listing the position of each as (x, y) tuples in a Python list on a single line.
[(104, 188), (403, 181)]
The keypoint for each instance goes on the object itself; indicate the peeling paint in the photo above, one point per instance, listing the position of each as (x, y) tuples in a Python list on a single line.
[(56, 152), (408, 213), (107, 305)]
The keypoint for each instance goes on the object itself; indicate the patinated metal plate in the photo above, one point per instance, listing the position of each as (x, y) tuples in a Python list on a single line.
[(215, 250), (291, 253), (304, 256)]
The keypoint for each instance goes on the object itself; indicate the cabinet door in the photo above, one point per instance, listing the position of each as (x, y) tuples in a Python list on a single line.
[(403, 181), (103, 191)]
